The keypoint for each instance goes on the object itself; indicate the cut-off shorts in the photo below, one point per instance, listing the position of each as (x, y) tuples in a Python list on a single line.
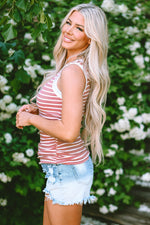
[(69, 184)]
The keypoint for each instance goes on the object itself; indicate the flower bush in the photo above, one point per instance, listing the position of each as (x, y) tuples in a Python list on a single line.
[(28, 34)]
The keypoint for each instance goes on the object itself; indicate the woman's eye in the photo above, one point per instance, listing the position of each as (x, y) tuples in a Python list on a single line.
[(67, 22), (79, 28)]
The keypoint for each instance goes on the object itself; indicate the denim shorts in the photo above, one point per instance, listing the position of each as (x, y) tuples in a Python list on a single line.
[(69, 184)]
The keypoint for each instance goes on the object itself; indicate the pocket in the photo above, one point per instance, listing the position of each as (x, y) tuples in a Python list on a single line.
[(84, 172)]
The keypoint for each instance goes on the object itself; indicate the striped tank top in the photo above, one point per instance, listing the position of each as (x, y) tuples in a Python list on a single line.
[(49, 102)]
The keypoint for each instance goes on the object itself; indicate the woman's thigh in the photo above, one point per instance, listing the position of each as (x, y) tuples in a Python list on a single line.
[(63, 214)]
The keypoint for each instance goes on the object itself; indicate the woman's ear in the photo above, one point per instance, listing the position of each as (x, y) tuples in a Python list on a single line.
[(89, 41)]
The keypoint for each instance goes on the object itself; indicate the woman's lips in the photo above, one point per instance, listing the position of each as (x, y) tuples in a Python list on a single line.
[(66, 39)]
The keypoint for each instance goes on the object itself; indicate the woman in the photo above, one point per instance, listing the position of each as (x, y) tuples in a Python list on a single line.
[(74, 94)]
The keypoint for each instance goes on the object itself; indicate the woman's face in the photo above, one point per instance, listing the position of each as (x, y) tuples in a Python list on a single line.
[(74, 39)]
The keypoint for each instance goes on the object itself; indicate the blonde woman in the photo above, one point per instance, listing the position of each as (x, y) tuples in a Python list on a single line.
[(74, 94)]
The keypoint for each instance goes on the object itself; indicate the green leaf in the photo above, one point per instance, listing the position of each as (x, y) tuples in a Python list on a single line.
[(22, 76), (18, 57), (42, 17), (2, 3), (17, 15), (40, 28), (3, 48), (9, 32), (15, 85), (22, 4), (2, 21), (49, 21)]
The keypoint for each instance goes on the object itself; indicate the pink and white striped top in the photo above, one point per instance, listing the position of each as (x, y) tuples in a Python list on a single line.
[(49, 102)]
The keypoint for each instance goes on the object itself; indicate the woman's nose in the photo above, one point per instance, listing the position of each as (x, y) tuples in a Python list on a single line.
[(70, 29)]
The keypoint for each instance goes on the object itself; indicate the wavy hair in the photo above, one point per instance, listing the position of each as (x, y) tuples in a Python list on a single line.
[(96, 64)]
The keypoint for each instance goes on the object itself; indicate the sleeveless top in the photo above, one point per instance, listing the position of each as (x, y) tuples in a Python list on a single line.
[(49, 102)]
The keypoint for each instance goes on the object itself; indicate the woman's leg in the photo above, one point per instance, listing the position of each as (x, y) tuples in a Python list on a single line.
[(46, 219), (62, 214)]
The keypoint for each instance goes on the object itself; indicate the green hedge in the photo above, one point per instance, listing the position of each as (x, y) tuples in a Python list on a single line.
[(28, 32)]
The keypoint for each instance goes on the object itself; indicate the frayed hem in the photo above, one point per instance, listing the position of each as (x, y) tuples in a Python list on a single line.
[(90, 200)]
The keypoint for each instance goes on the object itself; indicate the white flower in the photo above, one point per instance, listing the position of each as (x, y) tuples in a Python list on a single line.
[(108, 172), (116, 184), (139, 60), (135, 19), (139, 96), (119, 171), (40, 38), (138, 10), (122, 125), (32, 41), (5, 89), (11, 51), (146, 177), (114, 146), (4, 178), (12, 22), (46, 57), (131, 113), (135, 46), (148, 51), (123, 108), (144, 208), (9, 68), (3, 81), (24, 100), (124, 136), (31, 71), (8, 138), (3, 202), (112, 208), (147, 30), (137, 133), (138, 119), (100, 191), (146, 59), (137, 152), (121, 100), (112, 191), (30, 152), (147, 78), (131, 30), (146, 118), (19, 96), (28, 36), (122, 8), (19, 157), (2, 105), (108, 5), (28, 62), (7, 98), (117, 176), (4, 116), (11, 108), (110, 153), (103, 209), (147, 44)]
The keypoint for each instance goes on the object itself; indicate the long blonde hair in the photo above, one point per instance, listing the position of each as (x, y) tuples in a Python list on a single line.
[(96, 63)]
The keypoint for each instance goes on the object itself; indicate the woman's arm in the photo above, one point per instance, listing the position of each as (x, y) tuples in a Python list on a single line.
[(71, 84)]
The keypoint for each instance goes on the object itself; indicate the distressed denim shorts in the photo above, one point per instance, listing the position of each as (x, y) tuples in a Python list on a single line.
[(69, 184)]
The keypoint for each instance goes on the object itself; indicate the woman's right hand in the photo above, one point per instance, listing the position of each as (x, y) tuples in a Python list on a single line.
[(31, 108)]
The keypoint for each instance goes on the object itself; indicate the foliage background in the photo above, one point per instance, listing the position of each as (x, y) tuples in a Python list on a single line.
[(28, 33)]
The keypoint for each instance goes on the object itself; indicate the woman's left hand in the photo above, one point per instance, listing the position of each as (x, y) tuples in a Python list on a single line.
[(23, 119)]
